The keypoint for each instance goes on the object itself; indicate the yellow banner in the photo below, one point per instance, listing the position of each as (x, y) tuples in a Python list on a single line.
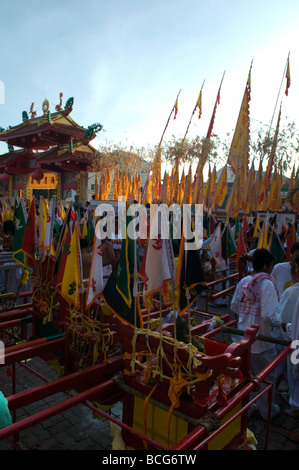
[(49, 181)]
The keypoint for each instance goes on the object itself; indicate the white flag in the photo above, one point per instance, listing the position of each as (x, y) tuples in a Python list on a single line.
[(95, 281), (216, 246), (158, 267)]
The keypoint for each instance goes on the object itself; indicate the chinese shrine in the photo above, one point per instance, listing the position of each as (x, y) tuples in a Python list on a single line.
[(53, 154)]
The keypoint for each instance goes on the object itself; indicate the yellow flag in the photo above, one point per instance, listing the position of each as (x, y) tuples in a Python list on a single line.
[(239, 151), (263, 240), (43, 214), (256, 229), (188, 188), (72, 278), (115, 185), (221, 189), (274, 192)]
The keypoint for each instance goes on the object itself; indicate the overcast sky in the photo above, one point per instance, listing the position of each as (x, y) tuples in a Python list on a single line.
[(124, 62)]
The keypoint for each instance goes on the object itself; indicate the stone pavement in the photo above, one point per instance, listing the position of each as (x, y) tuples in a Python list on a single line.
[(77, 429)]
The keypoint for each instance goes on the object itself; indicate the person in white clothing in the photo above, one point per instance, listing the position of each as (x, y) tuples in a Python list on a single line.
[(258, 305), (282, 271), (285, 309), (292, 329)]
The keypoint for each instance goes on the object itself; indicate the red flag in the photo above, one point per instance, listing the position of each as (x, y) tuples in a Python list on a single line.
[(29, 239), (241, 248), (209, 133), (245, 227)]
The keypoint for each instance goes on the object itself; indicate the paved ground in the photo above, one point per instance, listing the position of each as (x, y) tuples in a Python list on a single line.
[(77, 429)]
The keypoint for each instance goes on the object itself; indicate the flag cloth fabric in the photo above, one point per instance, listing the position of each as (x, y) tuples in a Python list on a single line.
[(29, 238), (61, 256), (268, 173), (157, 265), (228, 245), (215, 245), (72, 278), (241, 248), (8, 212), (221, 189), (43, 214), (276, 248), (199, 105), (90, 227), (190, 277), (217, 102), (290, 241), (119, 290), (20, 224), (288, 78), (256, 228), (263, 239), (239, 151), (175, 108), (95, 280), (48, 237)]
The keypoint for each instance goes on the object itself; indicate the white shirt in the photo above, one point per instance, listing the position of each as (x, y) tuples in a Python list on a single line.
[(293, 328), (287, 303), (263, 313), (238, 294), (282, 273)]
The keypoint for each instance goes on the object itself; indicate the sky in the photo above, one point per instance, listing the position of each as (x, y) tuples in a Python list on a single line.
[(125, 61)]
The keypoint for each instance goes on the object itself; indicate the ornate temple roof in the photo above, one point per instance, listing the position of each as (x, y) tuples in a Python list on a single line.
[(42, 132)]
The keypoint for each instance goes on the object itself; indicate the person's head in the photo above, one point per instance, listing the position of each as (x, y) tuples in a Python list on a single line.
[(263, 261), (294, 252), (9, 227)]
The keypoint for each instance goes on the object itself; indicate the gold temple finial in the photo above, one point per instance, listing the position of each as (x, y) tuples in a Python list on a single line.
[(45, 106), (58, 107), (32, 112)]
